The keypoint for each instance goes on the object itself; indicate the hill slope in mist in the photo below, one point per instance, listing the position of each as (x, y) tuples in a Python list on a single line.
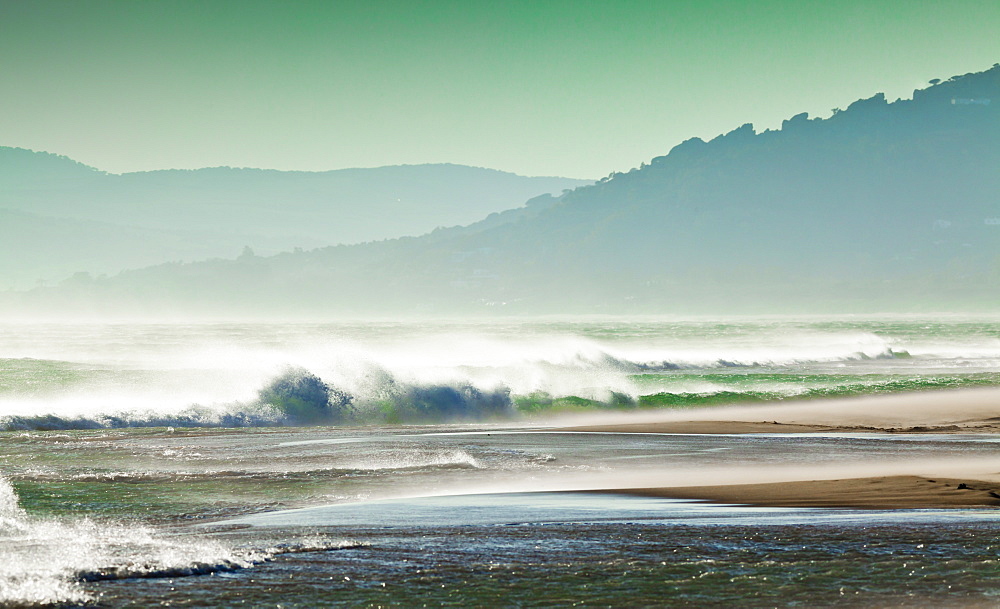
[(882, 206), (59, 217)]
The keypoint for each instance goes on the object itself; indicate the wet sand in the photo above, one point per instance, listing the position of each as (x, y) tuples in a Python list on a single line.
[(967, 411), (879, 492)]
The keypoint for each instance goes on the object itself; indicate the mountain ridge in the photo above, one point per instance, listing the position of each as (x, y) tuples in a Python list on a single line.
[(145, 218), (881, 206)]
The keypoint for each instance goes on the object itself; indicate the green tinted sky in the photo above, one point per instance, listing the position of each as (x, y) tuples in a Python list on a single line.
[(541, 88)]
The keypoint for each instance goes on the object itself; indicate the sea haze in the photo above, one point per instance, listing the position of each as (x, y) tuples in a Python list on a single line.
[(59, 217), (116, 375)]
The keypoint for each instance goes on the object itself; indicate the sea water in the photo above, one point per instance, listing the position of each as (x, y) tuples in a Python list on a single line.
[(98, 375), (123, 481)]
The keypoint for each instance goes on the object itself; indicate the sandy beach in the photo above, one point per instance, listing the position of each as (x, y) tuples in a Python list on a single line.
[(967, 411)]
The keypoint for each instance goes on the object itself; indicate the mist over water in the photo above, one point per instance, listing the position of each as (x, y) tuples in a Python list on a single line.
[(214, 374)]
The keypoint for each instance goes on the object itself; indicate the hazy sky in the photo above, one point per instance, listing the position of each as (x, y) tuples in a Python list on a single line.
[(572, 88)]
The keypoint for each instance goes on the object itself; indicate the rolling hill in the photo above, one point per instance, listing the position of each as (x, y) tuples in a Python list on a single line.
[(881, 206), (59, 217)]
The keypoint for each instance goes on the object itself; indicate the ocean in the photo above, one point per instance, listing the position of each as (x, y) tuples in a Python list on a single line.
[(390, 463)]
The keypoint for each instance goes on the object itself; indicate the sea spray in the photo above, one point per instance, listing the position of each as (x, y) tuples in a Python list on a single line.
[(466, 403), (261, 375), (304, 399), (10, 511), (47, 561), (43, 560)]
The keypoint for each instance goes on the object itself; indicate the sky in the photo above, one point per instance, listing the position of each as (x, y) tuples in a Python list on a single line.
[(544, 87)]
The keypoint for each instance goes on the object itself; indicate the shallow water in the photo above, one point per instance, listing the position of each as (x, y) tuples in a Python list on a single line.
[(268, 517), (633, 562)]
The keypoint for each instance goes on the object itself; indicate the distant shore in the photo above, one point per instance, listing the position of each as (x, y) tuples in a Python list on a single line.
[(966, 411)]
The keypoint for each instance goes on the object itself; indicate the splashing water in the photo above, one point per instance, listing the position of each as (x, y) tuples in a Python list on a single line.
[(396, 459), (44, 561), (9, 508)]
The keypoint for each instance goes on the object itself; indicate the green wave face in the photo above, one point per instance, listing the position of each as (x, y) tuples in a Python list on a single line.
[(18, 376), (748, 388)]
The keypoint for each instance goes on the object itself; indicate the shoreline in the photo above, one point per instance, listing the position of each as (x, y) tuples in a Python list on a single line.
[(875, 492), (974, 411)]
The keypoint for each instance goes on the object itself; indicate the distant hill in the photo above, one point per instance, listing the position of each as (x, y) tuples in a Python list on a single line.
[(42, 250), (82, 219), (882, 206)]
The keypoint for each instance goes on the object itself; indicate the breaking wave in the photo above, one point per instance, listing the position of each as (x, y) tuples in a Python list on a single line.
[(258, 376), (465, 403), (45, 561)]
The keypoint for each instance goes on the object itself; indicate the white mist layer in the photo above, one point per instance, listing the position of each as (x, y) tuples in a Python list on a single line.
[(903, 411), (164, 369)]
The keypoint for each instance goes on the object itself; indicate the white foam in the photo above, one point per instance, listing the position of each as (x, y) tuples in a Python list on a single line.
[(42, 560), (399, 459), (147, 370)]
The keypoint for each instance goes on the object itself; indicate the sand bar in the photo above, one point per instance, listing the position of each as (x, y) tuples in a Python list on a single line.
[(945, 411), (963, 411), (878, 492)]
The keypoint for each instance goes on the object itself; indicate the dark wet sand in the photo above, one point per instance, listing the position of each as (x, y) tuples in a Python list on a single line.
[(877, 492)]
